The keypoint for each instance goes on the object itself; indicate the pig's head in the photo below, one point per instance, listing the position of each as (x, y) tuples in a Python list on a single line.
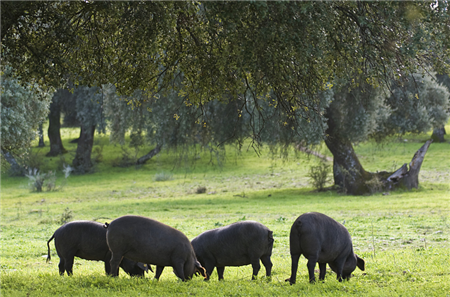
[(352, 262), (192, 267), (199, 269), (134, 268)]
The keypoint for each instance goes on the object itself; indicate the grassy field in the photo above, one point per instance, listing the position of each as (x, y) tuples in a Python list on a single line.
[(403, 236)]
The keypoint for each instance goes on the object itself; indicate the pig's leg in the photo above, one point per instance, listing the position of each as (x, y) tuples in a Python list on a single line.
[(311, 265), (220, 271), (116, 258), (209, 267), (61, 266), (267, 264), (68, 265), (256, 267), (339, 263), (294, 267), (107, 266), (159, 270), (323, 270)]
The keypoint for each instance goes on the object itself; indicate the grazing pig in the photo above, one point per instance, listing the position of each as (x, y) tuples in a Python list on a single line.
[(87, 240), (321, 239), (238, 244), (149, 241)]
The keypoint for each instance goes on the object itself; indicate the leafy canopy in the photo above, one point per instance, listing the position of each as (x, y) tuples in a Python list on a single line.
[(23, 108), (292, 49)]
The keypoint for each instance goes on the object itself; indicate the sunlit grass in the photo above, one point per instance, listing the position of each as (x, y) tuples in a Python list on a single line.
[(402, 235)]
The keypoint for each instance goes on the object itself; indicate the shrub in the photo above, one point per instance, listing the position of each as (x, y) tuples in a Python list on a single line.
[(163, 176), (319, 175), (66, 216), (375, 184), (201, 190), (36, 180)]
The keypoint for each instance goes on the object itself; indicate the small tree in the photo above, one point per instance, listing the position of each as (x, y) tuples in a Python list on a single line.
[(23, 108)]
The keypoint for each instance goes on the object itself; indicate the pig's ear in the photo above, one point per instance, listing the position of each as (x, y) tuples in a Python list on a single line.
[(144, 267), (200, 270), (360, 263)]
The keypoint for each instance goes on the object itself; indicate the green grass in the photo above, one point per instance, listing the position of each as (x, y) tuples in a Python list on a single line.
[(403, 235)]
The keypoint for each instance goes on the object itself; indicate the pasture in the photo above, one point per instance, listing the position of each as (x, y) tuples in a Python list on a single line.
[(403, 235)]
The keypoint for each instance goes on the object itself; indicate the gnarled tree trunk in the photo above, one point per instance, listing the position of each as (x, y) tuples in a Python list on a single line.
[(82, 162), (404, 177), (348, 172), (351, 177)]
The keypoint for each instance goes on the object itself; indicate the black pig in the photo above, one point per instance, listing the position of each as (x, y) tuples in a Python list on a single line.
[(238, 244), (149, 241), (87, 240), (321, 239)]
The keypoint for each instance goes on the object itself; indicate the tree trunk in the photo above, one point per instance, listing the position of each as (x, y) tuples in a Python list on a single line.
[(407, 178), (41, 136), (350, 176), (150, 155), (70, 119), (54, 125), (82, 162), (438, 134), (348, 172), (16, 169)]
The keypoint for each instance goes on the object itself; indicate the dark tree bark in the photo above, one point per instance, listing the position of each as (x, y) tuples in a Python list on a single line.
[(82, 162), (350, 175), (54, 126), (348, 172), (438, 134), (407, 178), (150, 155), (16, 169), (41, 136)]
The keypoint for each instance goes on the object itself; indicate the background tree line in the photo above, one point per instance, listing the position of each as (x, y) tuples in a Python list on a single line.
[(290, 71)]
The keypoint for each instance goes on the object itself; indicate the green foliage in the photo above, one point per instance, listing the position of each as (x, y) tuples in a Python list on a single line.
[(293, 49), (319, 175), (66, 216), (38, 180), (375, 184), (419, 104), (24, 107)]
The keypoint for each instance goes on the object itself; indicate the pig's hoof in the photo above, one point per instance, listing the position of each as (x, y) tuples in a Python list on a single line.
[(289, 280)]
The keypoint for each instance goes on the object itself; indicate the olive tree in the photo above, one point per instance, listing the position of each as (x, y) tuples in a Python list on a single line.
[(291, 50), (24, 107)]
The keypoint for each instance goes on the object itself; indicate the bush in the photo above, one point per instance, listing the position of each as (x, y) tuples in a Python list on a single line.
[(36, 180), (375, 184), (66, 216), (201, 190), (163, 176), (319, 175)]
